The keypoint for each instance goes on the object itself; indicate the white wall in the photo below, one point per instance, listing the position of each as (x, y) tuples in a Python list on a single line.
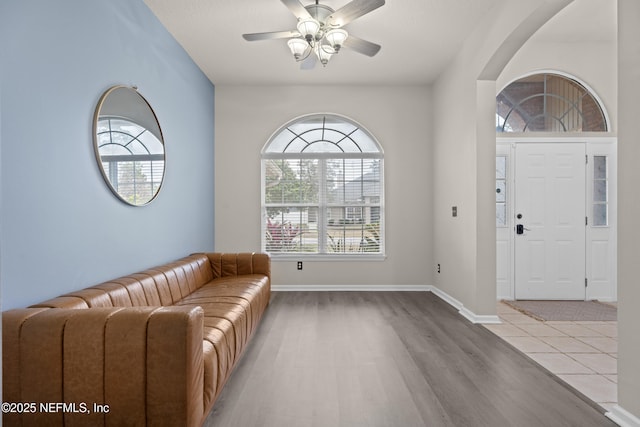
[(455, 169), (464, 151), (629, 207), (399, 118)]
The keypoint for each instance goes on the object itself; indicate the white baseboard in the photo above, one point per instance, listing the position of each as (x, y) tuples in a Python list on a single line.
[(350, 288), (484, 319), (606, 299), (465, 312), (447, 298), (622, 417)]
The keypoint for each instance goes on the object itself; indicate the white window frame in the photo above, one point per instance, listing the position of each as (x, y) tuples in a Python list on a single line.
[(322, 157)]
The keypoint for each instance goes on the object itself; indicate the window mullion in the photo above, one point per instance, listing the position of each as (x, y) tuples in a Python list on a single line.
[(322, 206)]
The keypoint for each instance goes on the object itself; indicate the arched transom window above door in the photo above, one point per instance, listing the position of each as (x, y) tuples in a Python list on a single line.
[(322, 190), (548, 102)]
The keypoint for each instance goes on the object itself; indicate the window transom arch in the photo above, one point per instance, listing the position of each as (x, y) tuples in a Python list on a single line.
[(549, 102), (323, 189)]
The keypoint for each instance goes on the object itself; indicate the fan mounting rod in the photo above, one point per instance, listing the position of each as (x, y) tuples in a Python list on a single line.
[(319, 12)]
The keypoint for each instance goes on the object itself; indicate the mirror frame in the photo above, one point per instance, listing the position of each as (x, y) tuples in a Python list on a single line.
[(96, 118)]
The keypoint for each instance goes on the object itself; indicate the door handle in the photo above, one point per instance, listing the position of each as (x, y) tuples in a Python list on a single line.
[(520, 229)]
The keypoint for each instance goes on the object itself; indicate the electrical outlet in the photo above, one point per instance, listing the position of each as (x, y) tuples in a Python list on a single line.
[(454, 211), (299, 265), (438, 268)]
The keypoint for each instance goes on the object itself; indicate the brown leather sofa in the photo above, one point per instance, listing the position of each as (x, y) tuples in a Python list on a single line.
[(153, 348)]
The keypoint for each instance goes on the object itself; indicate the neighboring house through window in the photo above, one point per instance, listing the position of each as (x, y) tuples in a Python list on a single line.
[(322, 190)]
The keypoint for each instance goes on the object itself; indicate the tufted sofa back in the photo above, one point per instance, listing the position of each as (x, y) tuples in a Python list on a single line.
[(160, 286)]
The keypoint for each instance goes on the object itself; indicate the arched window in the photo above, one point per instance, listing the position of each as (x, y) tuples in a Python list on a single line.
[(322, 189), (548, 103)]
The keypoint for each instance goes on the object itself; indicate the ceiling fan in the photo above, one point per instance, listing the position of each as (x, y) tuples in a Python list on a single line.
[(319, 33)]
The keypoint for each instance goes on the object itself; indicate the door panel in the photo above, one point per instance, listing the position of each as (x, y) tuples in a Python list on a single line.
[(550, 200)]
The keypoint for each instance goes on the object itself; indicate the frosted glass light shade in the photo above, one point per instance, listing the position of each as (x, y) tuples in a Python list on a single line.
[(336, 38), (298, 47), (324, 53), (308, 28)]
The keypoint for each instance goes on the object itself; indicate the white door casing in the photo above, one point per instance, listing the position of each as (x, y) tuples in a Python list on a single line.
[(550, 183)]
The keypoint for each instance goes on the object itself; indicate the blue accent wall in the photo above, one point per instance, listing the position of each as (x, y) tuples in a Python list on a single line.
[(61, 227)]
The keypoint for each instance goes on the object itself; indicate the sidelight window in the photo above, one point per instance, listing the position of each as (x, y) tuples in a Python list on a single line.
[(600, 192), (501, 191)]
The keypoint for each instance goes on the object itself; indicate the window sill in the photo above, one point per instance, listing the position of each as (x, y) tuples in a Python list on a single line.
[(327, 257)]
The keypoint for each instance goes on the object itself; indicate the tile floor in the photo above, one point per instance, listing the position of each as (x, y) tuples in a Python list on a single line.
[(584, 354)]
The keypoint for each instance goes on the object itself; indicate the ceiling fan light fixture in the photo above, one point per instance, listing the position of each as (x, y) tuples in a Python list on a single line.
[(319, 32), (308, 28), (298, 48), (336, 38)]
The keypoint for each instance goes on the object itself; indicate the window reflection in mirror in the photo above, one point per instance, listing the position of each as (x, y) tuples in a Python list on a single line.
[(129, 145)]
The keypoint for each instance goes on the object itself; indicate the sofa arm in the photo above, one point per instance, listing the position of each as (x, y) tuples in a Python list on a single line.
[(235, 264), (115, 366)]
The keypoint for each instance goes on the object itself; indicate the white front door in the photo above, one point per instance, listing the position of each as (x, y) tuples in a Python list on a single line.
[(550, 221)]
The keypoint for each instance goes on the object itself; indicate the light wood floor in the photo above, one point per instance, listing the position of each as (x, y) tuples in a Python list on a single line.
[(388, 359)]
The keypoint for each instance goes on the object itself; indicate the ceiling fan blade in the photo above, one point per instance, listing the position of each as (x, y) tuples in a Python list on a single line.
[(270, 36), (297, 9), (309, 63), (362, 46), (352, 10)]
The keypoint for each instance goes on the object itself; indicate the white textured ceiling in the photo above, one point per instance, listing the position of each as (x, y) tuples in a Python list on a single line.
[(418, 38)]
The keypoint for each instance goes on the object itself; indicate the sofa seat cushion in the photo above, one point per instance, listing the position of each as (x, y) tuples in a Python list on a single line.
[(211, 376), (217, 333), (212, 305), (254, 289), (231, 321)]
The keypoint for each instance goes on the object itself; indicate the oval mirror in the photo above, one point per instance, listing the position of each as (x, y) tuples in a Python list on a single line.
[(129, 145)]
